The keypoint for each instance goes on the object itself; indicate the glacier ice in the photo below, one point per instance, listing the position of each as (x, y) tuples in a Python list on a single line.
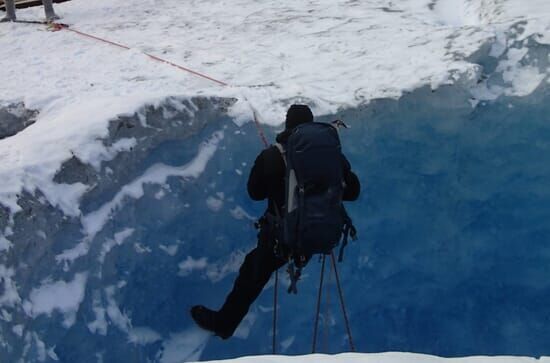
[(453, 256)]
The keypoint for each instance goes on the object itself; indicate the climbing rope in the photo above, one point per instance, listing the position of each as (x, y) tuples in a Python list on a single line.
[(60, 26), (318, 309), (276, 288), (257, 122), (326, 321)]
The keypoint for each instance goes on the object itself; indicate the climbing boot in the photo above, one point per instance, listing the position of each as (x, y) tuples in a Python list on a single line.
[(206, 319)]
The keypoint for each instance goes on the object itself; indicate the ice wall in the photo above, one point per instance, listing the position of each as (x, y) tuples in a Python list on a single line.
[(452, 260)]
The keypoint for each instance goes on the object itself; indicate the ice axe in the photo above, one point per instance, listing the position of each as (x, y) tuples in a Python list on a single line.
[(338, 124)]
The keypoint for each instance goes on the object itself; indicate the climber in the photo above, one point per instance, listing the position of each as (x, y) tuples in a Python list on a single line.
[(48, 8), (266, 181)]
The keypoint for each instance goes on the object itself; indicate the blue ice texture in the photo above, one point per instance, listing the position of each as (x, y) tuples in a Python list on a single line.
[(453, 256)]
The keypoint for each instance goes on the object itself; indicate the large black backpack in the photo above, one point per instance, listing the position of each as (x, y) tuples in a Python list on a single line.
[(314, 219)]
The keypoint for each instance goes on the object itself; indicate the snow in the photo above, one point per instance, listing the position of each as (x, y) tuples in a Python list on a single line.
[(243, 331), (169, 250), (213, 271), (216, 272), (190, 264), (143, 336), (40, 347), (214, 204), (453, 12), (31, 158), (98, 326), (18, 330), (239, 213), (9, 296), (61, 296), (458, 13), (111, 315), (139, 248), (390, 357), (119, 239), (110, 152), (156, 174), (185, 346), (5, 244), (523, 79), (331, 54), (265, 51), (286, 343), (117, 317)]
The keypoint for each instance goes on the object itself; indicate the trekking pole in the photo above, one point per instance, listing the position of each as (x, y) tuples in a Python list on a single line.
[(275, 312), (352, 346), (318, 306), (326, 321)]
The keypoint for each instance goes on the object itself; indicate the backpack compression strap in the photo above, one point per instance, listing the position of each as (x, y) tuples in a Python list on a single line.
[(294, 271), (348, 231)]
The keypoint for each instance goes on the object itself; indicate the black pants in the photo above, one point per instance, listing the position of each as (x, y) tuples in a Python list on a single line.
[(254, 273)]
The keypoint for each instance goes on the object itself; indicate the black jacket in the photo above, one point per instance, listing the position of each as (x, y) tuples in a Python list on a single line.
[(267, 178)]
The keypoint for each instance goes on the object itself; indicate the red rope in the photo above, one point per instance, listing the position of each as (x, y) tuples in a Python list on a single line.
[(318, 309), (259, 127), (60, 26)]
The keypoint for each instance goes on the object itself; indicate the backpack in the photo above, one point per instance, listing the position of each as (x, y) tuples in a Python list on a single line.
[(314, 219)]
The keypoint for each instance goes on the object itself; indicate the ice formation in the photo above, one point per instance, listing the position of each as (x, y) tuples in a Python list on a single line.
[(122, 180)]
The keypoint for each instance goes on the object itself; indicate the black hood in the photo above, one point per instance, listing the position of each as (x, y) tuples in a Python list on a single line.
[(282, 137), (296, 115)]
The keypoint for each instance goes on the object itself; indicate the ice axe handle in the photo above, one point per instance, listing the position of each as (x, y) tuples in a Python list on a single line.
[(339, 124)]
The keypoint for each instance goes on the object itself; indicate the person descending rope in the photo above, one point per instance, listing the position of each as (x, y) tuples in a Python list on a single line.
[(282, 237), (48, 8)]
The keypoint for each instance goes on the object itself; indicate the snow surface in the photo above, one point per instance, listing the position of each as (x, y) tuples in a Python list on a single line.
[(331, 54), (62, 296), (378, 358)]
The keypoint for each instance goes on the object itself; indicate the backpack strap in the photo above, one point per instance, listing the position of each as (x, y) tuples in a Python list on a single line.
[(281, 149), (349, 230)]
